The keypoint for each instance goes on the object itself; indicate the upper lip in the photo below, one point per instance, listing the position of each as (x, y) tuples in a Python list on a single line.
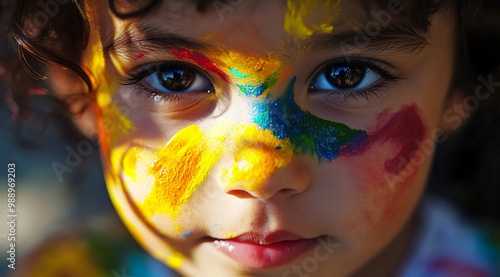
[(266, 239)]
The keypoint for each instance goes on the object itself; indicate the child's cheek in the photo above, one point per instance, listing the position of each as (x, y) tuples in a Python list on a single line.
[(385, 170), (159, 182)]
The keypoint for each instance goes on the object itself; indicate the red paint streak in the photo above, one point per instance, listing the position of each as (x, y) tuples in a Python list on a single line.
[(200, 60), (451, 267), (405, 128), (140, 56), (383, 167)]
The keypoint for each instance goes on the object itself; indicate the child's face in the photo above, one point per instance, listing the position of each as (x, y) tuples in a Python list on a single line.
[(259, 137)]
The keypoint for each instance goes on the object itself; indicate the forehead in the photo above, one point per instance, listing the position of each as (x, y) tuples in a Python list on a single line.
[(253, 25), (229, 24)]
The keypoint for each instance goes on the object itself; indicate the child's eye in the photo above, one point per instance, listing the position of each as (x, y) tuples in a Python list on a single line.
[(177, 79), (342, 80), (179, 84), (345, 77)]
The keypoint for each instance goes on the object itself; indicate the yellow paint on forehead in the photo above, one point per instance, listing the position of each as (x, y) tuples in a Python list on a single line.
[(305, 17), (259, 154), (251, 68), (180, 169)]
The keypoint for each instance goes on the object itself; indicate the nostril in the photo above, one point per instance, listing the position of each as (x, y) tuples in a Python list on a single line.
[(240, 193)]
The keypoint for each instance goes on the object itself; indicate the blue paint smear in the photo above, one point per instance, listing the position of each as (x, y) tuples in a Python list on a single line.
[(186, 235), (238, 74), (258, 89), (252, 90), (308, 133)]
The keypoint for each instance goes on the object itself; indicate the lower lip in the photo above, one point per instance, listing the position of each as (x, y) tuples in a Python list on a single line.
[(259, 256)]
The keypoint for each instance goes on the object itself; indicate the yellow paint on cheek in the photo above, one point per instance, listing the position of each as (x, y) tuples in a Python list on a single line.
[(175, 261), (180, 169), (130, 163), (115, 124), (259, 154), (304, 18)]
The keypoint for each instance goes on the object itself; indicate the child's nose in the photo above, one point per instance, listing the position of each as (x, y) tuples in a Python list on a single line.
[(287, 181), (262, 165)]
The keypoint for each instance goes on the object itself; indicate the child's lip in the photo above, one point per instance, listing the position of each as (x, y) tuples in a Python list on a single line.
[(254, 250)]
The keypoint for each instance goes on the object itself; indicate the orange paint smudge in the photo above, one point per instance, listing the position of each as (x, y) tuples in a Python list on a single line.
[(181, 168)]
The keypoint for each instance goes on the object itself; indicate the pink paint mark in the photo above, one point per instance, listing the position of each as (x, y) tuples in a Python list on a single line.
[(382, 168), (200, 60), (404, 128), (140, 56)]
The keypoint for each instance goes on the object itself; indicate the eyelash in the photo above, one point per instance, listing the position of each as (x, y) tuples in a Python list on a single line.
[(388, 78), (135, 79)]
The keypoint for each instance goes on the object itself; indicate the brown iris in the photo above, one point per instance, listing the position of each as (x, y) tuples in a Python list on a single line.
[(176, 78), (345, 77)]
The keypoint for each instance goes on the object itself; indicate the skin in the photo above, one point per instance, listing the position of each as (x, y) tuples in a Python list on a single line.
[(347, 198)]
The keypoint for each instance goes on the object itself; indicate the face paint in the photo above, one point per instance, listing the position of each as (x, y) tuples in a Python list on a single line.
[(292, 129), (306, 132), (112, 123), (182, 166), (200, 60), (258, 155), (186, 235), (298, 19), (175, 261), (140, 56), (283, 117), (396, 130), (389, 171), (253, 75)]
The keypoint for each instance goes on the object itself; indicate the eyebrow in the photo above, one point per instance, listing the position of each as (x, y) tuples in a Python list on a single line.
[(149, 38), (398, 37)]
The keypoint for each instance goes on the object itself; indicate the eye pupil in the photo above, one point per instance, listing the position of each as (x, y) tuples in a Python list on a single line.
[(176, 79), (345, 77)]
